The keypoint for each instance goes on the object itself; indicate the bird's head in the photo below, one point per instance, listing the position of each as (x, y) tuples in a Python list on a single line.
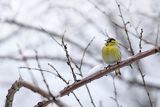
[(110, 42)]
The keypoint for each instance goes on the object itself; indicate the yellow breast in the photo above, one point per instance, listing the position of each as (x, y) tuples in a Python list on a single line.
[(111, 54)]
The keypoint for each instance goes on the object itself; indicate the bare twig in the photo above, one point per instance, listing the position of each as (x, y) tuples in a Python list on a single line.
[(157, 36), (38, 69), (125, 27), (68, 58), (24, 59), (115, 98), (80, 67), (140, 41), (58, 74), (51, 36), (90, 96), (145, 86), (65, 81), (132, 52), (81, 74), (103, 12), (103, 72), (77, 99), (136, 35), (44, 79)]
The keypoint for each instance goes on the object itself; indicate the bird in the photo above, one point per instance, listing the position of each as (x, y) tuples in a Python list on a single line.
[(111, 53)]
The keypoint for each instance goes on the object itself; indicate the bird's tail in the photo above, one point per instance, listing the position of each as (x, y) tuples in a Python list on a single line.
[(117, 72)]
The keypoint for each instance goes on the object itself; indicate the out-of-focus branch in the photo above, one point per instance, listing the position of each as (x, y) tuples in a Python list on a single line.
[(26, 63), (140, 84), (115, 98), (103, 72), (45, 57), (39, 29), (20, 83)]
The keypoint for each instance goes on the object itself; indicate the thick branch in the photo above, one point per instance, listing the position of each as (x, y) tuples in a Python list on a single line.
[(18, 84), (103, 72)]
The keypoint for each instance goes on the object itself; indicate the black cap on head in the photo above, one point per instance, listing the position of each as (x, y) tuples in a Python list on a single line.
[(110, 39)]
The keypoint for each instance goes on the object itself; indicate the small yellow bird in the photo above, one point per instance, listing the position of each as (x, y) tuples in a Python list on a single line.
[(111, 53)]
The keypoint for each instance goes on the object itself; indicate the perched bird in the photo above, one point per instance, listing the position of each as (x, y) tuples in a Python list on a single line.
[(111, 53)]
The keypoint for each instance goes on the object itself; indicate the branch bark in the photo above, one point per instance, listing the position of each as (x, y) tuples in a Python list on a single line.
[(20, 83), (107, 70)]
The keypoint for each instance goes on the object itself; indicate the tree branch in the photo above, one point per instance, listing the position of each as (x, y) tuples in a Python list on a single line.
[(20, 83), (103, 72)]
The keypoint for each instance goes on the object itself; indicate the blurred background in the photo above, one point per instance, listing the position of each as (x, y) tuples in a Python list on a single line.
[(28, 27)]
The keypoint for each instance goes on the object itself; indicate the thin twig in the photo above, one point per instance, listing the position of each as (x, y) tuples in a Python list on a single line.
[(125, 27), (51, 36), (103, 12), (58, 74), (81, 74), (38, 69), (90, 96), (140, 41), (145, 86), (80, 67), (24, 59), (65, 81), (68, 58), (157, 36), (77, 99), (115, 98), (44, 79)]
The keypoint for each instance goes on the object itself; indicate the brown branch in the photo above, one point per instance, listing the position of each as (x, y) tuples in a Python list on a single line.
[(103, 72), (43, 103), (20, 83)]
